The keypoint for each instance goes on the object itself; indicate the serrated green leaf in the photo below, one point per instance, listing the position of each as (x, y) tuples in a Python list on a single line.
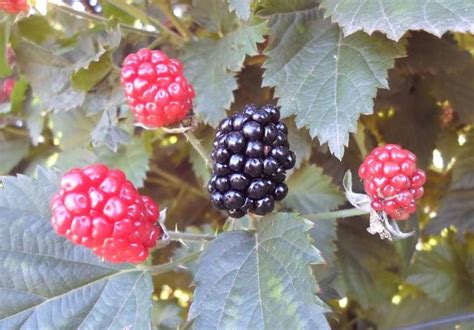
[(108, 131), (211, 67), (310, 191), (71, 158), (37, 28), (85, 79), (49, 76), (259, 280), (109, 94), (396, 17), (48, 282), (12, 151), (272, 7), (323, 78), (5, 26), (442, 274), (242, 8), (132, 159), (18, 94)]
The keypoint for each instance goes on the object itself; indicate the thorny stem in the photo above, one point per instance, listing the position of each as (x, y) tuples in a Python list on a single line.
[(178, 236), (335, 214), (172, 265), (101, 20), (197, 145), (167, 9)]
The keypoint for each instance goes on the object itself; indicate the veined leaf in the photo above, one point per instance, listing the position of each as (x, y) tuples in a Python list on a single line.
[(211, 67), (259, 280), (48, 282), (242, 8), (396, 17), (323, 78)]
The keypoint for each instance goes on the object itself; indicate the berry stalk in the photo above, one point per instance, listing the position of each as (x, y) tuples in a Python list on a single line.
[(347, 213), (172, 265), (197, 145), (179, 236)]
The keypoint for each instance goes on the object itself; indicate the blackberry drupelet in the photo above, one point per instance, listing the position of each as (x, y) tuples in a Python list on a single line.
[(250, 158)]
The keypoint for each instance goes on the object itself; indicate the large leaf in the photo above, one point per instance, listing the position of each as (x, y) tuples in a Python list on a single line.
[(443, 275), (211, 67), (109, 132), (12, 152), (214, 15), (49, 76), (73, 128), (310, 191), (323, 78), (47, 282), (259, 280), (5, 26), (396, 17)]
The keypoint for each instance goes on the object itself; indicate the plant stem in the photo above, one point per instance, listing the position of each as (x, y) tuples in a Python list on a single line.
[(197, 145), (172, 265), (167, 9), (100, 20), (177, 236), (335, 214), (138, 14)]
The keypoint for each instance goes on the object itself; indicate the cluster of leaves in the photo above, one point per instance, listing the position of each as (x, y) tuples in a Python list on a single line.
[(325, 63)]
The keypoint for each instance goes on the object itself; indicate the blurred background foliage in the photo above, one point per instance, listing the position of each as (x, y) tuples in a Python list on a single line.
[(67, 109)]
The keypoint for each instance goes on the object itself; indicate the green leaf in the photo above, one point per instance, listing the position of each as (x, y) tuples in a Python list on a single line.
[(49, 76), (108, 95), (12, 151), (48, 282), (259, 280), (36, 28), (5, 26), (396, 17), (323, 78), (73, 128), (108, 131), (442, 274), (310, 191), (242, 8), (71, 158), (85, 79), (211, 67), (214, 15), (201, 170), (300, 142), (18, 95), (132, 159)]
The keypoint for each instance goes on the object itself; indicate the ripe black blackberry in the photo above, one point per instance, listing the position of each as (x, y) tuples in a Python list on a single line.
[(250, 158)]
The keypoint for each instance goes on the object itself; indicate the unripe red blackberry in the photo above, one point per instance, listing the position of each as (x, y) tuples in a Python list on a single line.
[(250, 158), (156, 88), (99, 208), (14, 6), (392, 180)]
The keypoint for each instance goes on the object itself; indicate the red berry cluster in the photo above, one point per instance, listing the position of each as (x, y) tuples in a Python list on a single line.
[(99, 208), (7, 88), (392, 180), (156, 89), (14, 6)]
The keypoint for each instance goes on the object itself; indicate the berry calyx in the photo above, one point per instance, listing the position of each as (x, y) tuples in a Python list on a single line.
[(14, 6), (392, 180), (250, 158), (156, 88), (99, 208)]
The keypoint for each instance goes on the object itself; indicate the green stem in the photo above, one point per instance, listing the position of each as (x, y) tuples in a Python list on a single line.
[(167, 9), (335, 214), (177, 236), (197, 145), (100, 20), (172, 265)]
